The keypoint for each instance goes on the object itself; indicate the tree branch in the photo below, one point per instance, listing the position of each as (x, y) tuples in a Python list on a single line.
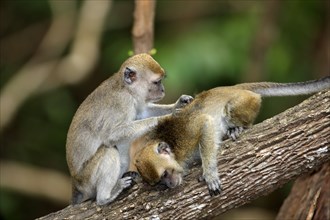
[(264, 158), (47, 70), (29, 78), (143, 28), (26, 179), (309, 197)]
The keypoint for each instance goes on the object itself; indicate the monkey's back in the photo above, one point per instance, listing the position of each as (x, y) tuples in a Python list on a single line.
[(90, 123), (228, 103), (183, 130)]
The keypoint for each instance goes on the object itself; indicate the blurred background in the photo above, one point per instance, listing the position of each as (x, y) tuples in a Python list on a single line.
[(55, 52)]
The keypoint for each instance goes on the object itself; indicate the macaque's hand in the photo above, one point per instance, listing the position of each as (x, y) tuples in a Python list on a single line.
[(136, 178), (234, 132), (213, 184), (183, 101)]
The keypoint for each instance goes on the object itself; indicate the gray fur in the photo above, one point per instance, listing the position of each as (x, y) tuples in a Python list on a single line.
[(106, 122)]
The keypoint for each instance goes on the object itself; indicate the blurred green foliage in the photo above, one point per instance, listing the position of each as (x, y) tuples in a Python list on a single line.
[(207, 47)]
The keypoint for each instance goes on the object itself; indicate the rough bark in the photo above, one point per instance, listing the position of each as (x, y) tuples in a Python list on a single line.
[(143, 28), (309, 198), (264, 158)]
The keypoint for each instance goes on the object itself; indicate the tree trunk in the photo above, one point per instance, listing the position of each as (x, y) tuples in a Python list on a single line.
[(309, 198), (264, 158), (143, 28)]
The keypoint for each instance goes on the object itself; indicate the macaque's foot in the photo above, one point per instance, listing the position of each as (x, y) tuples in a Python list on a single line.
[(183, 101), (135, 178), (234, 132), (213, 184)]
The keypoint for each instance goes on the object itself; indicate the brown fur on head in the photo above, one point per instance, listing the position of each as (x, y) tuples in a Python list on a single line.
[(144, 63), (156, 163)]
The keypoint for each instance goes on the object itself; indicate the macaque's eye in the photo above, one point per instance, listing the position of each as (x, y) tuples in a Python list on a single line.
[(158, 82), (165, 174)]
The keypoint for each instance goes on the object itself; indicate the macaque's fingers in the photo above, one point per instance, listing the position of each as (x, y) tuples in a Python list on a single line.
[(213, 184), (126, 182), (186, 99), (234, 133), (214, 193), (183, 101), (214, 187), (132, 174), (135, 177)]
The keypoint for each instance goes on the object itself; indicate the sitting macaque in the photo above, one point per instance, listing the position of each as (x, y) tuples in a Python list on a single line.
[(120, 109)]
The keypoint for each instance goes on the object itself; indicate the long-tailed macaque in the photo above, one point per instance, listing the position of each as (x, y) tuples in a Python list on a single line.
[(116, 112), (162, 154)]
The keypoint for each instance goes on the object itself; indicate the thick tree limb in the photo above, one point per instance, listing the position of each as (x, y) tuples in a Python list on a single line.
[(309, 198), (264, 158)]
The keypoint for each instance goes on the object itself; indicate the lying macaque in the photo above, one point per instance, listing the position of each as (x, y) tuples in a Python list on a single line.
[(162, 154)]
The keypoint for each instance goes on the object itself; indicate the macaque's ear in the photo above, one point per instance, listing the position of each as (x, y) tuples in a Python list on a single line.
[(163, 148), (129, 75)]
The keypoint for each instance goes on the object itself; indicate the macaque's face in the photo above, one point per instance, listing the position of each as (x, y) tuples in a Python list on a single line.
[(156, 164), (156, 90), (143, 76)]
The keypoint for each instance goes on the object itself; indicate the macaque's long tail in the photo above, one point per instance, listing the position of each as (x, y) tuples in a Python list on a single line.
[(287, 89)]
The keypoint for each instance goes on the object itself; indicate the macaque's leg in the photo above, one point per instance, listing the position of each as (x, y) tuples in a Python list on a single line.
[(208, 150), (108, 170), (241, 113)]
